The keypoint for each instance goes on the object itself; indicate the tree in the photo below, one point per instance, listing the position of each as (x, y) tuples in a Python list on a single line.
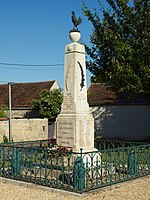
[(49, 103), (3, 111), (118, 56)]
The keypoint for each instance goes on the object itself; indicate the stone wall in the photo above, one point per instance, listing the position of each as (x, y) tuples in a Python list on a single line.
[(122, 122), (25, 129)]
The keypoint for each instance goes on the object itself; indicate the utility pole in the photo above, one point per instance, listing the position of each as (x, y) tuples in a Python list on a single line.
[(10, 114)]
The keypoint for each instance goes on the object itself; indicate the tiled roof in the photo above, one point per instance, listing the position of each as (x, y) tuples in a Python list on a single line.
[(23, 93), (100, 95)]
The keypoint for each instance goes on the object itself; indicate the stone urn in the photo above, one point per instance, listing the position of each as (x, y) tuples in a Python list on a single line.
[(75, 36)]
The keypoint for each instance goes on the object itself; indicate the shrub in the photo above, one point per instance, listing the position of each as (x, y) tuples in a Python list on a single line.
[(5, 139)]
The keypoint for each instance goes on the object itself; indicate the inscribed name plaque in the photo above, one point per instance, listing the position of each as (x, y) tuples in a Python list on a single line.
[(65, 129), (68, 103)]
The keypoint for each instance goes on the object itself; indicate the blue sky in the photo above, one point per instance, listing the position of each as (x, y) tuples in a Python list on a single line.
[(36, 32)]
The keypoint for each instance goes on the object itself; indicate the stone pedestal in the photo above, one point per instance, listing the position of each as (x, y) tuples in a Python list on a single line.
[(75, 123)]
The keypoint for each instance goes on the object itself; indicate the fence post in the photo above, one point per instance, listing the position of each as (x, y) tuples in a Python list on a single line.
[(15, 161), (79, 174), (132, 162)]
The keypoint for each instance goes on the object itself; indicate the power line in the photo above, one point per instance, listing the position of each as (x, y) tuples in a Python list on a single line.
[(30, 65), (15, 68), (20, 66)]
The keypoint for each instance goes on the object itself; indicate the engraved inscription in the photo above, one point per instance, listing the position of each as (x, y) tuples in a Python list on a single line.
[(68, 102), (66, 133)]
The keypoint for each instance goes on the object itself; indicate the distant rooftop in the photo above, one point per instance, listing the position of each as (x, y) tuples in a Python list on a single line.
[(23, 93), (100, 95)]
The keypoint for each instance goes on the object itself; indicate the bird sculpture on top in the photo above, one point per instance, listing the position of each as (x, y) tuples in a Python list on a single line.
[(75, 21)]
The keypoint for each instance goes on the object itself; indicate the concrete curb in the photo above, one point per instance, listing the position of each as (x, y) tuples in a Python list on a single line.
[(39, 187), (65, 192)]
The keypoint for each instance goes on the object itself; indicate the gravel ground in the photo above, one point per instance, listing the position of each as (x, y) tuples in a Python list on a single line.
[(138, 189)]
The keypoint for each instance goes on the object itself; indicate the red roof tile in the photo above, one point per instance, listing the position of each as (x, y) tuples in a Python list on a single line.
[(100, 95), (23, 93)]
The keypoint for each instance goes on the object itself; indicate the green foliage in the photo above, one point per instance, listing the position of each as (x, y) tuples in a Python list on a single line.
[(5, 139), (3, 109), (120, 46), (49, 103)]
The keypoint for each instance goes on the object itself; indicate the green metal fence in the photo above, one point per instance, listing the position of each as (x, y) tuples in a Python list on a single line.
[(42, 163)]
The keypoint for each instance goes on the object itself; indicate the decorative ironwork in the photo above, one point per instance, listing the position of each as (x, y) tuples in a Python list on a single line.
[(43, 163)]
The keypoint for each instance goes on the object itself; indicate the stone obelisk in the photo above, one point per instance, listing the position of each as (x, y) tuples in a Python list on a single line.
[(75, 123)]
